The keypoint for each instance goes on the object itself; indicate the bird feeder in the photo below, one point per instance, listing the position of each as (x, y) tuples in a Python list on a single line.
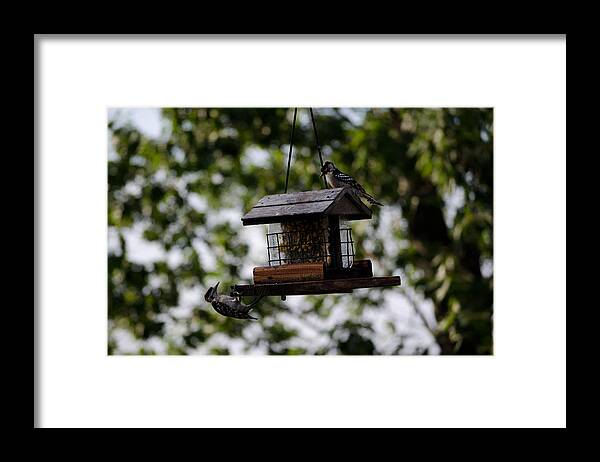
[(310, 249)]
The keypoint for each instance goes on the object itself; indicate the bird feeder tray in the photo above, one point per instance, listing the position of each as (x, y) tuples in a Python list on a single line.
[(332, 286), (309, 245)]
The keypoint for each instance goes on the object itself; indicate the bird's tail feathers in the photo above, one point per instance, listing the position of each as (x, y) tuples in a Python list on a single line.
[(372, 200)]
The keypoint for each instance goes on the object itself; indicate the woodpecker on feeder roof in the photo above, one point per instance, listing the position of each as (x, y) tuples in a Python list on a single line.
[(338, 179)]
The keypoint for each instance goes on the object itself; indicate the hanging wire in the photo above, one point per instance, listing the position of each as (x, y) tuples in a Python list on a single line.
[(287, 176), (314, 125), (312, 118)]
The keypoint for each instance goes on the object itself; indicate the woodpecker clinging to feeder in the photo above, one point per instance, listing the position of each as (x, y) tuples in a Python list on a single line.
[(229, 306), (338, 179)]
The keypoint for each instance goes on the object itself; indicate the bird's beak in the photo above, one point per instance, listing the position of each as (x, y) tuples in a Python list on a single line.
[(322, 172), (215, 288), (208, 293)]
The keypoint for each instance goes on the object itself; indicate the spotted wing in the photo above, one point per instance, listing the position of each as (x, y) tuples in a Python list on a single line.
[(345, 178), (229, 311)]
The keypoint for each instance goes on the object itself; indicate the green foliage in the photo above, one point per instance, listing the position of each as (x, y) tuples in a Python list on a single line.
[(185, 193)]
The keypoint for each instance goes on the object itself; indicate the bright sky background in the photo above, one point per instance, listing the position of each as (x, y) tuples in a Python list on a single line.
[(396, 308)]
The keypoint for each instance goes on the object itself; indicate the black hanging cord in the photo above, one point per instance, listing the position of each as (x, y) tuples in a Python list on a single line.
[(312, 118), (287, 176), (314, 125)]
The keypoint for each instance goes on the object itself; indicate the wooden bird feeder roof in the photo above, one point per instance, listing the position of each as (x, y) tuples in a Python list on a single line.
[(278, 208)]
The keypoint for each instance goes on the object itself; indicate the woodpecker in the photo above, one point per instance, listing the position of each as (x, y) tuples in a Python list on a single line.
[(229, 306), (338, 179)]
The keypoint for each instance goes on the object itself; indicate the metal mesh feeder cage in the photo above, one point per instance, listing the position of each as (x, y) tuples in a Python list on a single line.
[(310, 249), (307, 241)]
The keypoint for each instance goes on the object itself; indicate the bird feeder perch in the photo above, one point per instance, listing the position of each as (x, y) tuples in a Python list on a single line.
[(309, 245)]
